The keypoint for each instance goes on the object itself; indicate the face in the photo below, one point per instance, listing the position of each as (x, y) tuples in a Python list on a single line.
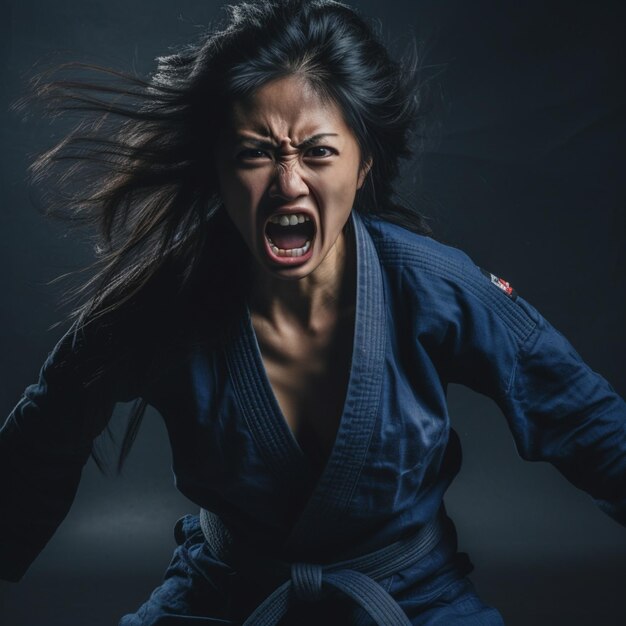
[(289, 168)]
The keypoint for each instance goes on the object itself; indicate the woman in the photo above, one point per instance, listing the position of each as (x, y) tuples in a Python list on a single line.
[(296, 330)]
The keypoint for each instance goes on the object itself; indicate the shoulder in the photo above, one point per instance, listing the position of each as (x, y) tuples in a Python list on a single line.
[(445, 279), (423, 260), (108, 354), (399, 247)]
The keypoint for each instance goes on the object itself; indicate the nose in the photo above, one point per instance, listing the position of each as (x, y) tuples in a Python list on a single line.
[(287, 183)]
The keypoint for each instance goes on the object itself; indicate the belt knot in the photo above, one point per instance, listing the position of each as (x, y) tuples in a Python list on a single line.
[(306, 581)]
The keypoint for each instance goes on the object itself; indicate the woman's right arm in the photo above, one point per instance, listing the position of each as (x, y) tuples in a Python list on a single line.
[(47, 439)]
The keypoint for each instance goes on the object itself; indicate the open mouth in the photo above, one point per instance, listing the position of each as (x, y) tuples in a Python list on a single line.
[(290, 235)]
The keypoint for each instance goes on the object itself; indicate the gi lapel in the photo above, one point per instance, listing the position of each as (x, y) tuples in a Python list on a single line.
[(325, 510), (258, 404)]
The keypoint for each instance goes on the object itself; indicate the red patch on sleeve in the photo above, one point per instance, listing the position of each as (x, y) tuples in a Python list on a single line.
[(501, 284)]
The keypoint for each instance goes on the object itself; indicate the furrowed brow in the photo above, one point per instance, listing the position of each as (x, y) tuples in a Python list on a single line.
[(257, 143), (268, 145)]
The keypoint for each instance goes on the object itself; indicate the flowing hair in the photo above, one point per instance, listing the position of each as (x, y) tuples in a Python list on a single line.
[(138, 169)]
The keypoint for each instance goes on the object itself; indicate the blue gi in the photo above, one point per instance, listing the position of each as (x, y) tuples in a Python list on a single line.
[(425, 316)]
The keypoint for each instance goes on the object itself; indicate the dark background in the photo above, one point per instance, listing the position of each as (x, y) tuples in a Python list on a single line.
[(527, 177)]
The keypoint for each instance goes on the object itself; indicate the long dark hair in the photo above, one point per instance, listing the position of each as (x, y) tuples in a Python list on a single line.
[(142, 152)]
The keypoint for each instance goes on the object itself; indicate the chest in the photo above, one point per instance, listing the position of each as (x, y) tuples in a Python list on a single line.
[(309, 375)]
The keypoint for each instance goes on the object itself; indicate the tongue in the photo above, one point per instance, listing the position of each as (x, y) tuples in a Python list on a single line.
[(288, 237)]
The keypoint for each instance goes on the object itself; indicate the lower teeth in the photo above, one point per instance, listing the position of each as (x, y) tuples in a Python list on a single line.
[(291, 251)]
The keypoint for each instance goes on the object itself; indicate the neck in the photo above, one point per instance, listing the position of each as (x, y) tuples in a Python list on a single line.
[(312, 302)]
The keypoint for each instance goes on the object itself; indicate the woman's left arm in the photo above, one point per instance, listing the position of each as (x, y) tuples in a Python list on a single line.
[(559, 410)]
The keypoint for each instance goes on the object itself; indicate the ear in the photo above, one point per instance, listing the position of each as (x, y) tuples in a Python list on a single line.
[(364, 171)]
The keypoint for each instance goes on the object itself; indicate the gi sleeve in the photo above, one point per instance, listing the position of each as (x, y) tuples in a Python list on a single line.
[(47, 439), (558, 409)]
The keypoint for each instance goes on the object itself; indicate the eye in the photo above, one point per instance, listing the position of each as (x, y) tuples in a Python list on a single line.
[(319, 152), (252, 154)]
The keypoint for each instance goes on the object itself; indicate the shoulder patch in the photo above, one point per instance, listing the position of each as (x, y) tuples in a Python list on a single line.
[(502, 284)]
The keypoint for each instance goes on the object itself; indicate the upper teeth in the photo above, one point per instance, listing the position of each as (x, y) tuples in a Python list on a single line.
[(290, 220)]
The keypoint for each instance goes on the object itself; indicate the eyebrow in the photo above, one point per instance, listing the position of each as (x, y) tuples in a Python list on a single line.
[(268, 145)]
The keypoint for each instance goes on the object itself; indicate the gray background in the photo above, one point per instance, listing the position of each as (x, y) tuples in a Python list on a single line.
[(527, 177)]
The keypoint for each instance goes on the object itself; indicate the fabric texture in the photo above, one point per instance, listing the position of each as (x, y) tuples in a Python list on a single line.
[(425, 316)]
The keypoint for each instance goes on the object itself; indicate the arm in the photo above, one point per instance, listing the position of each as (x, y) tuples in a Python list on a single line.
[(47, 439), (558, 409)]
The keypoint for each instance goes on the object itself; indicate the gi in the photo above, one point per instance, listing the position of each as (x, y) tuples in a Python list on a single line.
[(426, 316)]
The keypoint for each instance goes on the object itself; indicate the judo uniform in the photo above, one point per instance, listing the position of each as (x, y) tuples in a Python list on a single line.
[(426, 316)]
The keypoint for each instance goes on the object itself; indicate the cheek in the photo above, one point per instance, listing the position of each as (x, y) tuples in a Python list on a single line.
[(241, 192), (339, 190), (242, 189)]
